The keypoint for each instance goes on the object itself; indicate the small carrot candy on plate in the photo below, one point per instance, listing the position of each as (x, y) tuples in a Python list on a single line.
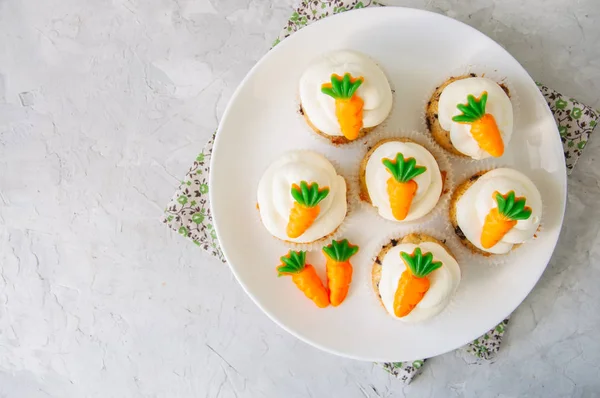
[(339, 269), (304, 277), (306, 207), (401, 186), (483, 125), (500, 220), (414, 281), (348, 105)]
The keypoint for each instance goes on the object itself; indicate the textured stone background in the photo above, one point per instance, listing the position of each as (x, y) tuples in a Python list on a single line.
[(103, 105)]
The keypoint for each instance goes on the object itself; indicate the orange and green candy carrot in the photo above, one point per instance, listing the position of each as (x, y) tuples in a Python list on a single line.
[(414, 281), (401, 186), (306, 207), (484, 128), (304, 277), (348, 105), (339, 269), (500, 220)]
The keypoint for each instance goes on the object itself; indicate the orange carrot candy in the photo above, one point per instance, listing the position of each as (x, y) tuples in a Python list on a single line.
[(413, 283), (348, 106), (483, 125), (500, 220), (339, 269), (304, 276), (306, 207), (401, 186)]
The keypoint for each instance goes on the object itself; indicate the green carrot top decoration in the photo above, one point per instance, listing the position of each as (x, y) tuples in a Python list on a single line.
[(473, 110), (403, 170), (420, 264), (293, 263), (308, 195), (342, 87), (340, 250), (512, 207)]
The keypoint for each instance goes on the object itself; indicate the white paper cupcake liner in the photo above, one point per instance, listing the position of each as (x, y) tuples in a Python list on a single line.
[(346, 224), (399, 234), (444, 164), (481, 71), (493, 259)]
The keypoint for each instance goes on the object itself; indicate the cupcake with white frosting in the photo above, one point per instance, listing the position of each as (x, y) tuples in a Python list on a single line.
[(401, 179), (471, 117), (415, 277), (344, 95), (301, 198), (495, 211)]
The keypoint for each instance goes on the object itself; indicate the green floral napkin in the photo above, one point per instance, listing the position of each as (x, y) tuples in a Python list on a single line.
[(188, 213), (575, 123)]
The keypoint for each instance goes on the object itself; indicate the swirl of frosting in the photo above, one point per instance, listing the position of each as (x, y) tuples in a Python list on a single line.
[(429, 183), (443, 281), (477, 201), (275, 200), (498, 104), (320, 108)]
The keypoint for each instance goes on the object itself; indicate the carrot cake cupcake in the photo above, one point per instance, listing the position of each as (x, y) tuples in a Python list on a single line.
[(495, 211), (401, 179), (471, 116), (301, 198), (344, 95), (415, 277)]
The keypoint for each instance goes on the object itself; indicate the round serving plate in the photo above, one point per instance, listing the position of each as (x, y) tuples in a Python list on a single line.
[(417, 50)]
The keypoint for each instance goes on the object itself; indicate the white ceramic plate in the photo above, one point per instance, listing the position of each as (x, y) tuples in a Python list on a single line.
[(417, 50)]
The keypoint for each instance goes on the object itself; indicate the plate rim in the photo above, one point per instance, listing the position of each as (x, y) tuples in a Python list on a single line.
[(285, 43)]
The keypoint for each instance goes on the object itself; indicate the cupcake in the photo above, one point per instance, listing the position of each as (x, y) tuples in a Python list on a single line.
[(344, 95), (495, 211), (415, 277), (471, 117), (301, 198), (401, 179)]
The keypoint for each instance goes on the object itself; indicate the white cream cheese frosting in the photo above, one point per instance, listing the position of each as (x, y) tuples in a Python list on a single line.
[(498, 104), (429, 183), (320, 108), (443, 281), (275, 200), (477, 201)]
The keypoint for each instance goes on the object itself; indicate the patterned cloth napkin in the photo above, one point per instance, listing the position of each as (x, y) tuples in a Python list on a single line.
[(188, 213)]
